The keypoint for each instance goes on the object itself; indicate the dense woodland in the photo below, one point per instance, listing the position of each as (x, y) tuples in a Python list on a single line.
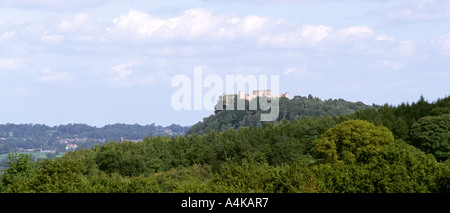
[(386, 149)]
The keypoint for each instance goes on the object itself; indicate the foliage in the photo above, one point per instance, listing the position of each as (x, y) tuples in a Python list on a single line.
[(52, 176), (354, 141), (20, 166), (401, 169), (432, 135)]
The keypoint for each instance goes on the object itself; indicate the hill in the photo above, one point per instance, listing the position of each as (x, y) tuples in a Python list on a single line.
[(44, 140), (295, 108)]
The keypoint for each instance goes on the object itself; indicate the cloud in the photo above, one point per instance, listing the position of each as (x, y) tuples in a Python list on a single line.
[(202, 26), (305, 36), (192, 24), (421, 10), (299, 71), (406, 48), (6, 35), (52, 4), (50, 76), (355, 32), (80, 23), (444, 43), (51, 38), (280, 1), (391, 64), (385, 37), (125, 76), (9, 63), (124, 70)]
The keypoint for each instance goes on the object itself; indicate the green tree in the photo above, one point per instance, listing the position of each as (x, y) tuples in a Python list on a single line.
[(52, 176), (125, 158), (401, 168), (432, 135), (19, 166), (354, 141)]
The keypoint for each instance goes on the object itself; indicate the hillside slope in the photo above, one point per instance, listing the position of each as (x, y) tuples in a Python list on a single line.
[(297, 107)]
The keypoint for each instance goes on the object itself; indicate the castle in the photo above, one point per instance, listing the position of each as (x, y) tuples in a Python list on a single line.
[(260, 93), (256, 93)]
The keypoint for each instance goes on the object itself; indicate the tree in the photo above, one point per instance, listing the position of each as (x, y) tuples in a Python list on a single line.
[(125, 158), (353, 141), (400, 168), (20, 166), (432, 135), (53, 176)]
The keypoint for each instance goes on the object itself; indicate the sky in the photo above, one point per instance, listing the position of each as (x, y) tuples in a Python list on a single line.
[(103, 62)]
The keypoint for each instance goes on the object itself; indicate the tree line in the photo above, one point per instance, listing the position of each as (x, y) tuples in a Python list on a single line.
[(31, 136)]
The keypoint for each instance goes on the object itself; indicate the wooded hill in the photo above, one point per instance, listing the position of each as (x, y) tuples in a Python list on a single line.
[(39, 136), (295, 108)]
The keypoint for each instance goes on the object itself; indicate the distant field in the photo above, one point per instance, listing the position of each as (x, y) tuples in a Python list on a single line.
[(34, 154)]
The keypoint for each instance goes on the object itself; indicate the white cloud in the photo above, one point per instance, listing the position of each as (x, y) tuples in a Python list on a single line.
[(289, 70), (385, 37), (6, 35), (355, 32), (305, 36), (124, 70), (9, 63), (125, 76), (50, 76), (421, 10), (252, 23), (391, 64), (183, 33), (140, 25), (298, 71), (79, 22), (315, 34), (202, 26), (51, 38), (193, 24), (406, 48), (51, 4), (81, 28), (444, 43)]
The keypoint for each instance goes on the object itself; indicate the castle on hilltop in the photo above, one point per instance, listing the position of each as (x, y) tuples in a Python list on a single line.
[(228, 98)]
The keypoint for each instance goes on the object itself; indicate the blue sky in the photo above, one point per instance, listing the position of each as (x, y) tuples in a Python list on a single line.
[(101, 62)]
